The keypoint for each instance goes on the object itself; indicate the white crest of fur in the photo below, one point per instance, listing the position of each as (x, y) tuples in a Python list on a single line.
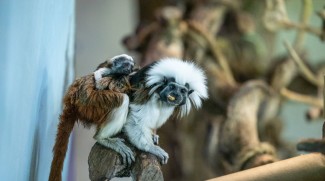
[(183, 72), (122, 55)]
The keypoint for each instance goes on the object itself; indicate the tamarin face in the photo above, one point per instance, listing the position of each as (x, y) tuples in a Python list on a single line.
[(173, 93), (179, 83), (122, 64)]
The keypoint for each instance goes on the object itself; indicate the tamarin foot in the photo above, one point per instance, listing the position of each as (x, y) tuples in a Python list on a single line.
[(118, 145), (160, 153)]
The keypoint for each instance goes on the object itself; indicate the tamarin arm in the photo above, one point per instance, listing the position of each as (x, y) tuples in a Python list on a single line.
[(107, 99), (104, 99)]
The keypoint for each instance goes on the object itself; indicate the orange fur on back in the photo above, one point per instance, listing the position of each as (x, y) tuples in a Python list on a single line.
[(90, 106)]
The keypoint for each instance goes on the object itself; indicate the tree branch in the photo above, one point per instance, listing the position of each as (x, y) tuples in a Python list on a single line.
[(308, 74), (239, 140), (215, 49), (304, 18), (105, 163), (301, 98)]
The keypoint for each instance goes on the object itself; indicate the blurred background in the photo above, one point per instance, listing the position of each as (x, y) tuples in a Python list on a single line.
[(46, 45)]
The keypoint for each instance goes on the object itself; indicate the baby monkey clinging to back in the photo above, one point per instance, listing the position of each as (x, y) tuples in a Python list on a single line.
[(106, 108), (120, 65)]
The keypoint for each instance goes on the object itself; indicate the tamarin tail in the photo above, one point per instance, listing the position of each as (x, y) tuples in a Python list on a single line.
[(67, 120)]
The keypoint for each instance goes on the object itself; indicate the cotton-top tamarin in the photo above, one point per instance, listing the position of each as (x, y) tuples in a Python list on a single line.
[(166, 87), (105, 107)]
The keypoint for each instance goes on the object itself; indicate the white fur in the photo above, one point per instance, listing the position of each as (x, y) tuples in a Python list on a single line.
[(98, 74), (116, 121), (122, 55), (106, 71), (145, 117), (183, 72), (153, 114)]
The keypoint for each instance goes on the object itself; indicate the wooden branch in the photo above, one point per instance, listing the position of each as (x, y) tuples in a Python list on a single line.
[(147, 167), (239, 141), (166, 41), (321, 14), (312, 145), (307, 9), (215, 49), (306, 167), (275, 13), (276, 18), (104, 163), (308, 74), (136, 40), (309, 29), (323, 104), (301, 98)]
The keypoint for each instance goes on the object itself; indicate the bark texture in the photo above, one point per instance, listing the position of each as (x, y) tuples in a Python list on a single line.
[(105, 164)]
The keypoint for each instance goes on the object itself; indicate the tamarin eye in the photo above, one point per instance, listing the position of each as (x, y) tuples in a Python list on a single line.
[(183, 91)]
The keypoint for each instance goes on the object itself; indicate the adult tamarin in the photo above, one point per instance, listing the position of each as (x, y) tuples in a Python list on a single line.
[(106, 107), (169, 86)]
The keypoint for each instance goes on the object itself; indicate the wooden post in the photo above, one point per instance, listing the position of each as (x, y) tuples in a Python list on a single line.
[(105, 163), (306, 167)]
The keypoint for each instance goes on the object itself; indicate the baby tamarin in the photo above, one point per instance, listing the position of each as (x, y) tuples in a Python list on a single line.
[(106, 107), (118, 65)]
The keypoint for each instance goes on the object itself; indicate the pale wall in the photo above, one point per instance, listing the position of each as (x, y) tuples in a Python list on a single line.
[(100, 27)]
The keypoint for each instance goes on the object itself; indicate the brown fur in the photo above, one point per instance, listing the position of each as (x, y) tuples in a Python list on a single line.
[(140, 95), (91, 107), (107, 64)]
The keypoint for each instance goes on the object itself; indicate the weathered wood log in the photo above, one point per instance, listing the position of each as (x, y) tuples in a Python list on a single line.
[(239, 142), (105, 164), (305, 167)]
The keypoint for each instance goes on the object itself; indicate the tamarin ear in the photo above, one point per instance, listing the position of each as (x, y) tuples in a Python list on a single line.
[(165, 80), (188, 87)]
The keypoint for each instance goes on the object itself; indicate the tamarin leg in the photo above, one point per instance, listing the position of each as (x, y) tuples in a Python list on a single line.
[(118, 145), (110, 128), (142, 138)]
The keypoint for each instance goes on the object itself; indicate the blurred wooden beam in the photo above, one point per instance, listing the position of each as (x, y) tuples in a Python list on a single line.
[(309, 167)]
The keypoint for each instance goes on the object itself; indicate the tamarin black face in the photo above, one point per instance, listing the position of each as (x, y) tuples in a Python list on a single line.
[(118, 65), (173, 93), (122, 65)]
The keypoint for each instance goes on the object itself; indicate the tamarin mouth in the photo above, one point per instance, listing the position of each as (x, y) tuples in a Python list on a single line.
[(171, 98)]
